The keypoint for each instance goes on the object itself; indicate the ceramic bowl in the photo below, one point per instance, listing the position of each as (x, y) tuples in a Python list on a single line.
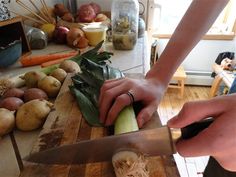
[(10, 53)]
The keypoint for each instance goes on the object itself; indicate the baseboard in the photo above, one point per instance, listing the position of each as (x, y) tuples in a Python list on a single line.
[(198, 78)]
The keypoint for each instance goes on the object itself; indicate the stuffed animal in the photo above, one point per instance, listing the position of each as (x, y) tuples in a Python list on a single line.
[(228, 64)]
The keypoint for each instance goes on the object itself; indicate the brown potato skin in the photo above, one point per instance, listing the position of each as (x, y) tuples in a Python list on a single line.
[(50, 85), (32, 114), (59, 74), (7, 121)]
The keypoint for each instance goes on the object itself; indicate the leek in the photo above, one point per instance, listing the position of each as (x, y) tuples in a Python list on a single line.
[(86, 87), (126, 121), (128, 163)]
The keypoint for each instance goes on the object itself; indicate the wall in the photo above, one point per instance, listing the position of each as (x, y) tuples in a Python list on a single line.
[(201, 58)]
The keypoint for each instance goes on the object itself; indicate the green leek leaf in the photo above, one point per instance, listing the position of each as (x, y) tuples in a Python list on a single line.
[(89, 111)]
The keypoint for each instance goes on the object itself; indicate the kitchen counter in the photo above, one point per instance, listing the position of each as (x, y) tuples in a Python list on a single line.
[(132, 62)]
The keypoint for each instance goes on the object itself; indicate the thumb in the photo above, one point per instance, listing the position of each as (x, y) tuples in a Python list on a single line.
[(145, 114), (195, 111)]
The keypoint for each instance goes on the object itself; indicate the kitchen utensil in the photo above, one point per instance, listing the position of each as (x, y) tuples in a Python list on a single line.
[(151, 142)]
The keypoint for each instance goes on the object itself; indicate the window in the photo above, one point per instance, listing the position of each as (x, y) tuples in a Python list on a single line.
[(170, 12)]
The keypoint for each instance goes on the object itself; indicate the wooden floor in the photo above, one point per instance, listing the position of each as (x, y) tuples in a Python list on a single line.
[(170, 106)]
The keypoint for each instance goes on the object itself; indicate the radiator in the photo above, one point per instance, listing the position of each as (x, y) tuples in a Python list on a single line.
[(199, 78)]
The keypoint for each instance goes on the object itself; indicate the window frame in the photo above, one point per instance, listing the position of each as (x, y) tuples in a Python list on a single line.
[(209, 36)]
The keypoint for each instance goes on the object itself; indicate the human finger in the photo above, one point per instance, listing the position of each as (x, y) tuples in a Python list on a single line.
[(120, 102), (199, 145), (108, 84), (145, 114), (196, 111), (108, 99)]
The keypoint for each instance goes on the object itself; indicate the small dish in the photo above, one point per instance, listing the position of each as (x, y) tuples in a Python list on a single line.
[(95, 33)]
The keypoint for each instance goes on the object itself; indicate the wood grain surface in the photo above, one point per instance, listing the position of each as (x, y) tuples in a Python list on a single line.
[(65, 125)]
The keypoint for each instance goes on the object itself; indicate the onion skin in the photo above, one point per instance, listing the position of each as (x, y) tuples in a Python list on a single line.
[(14, 92), (34, 93), (96, 7), (60, 34), (82, 43), (86, 13), (68, 17), (60, 9), (7, 121), (100, 18), (11, 103), (73, 35)]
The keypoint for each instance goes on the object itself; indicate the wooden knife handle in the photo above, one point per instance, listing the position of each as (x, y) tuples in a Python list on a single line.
[(194, 128)]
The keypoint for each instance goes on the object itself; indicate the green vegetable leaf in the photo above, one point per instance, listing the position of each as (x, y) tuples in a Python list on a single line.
[(89, 111), (93, 55), (87, 84)]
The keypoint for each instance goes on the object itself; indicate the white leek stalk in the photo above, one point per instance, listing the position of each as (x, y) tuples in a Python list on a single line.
[(128, 163)]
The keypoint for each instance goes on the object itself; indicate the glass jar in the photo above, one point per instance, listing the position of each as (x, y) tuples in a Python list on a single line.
[(124, 16)]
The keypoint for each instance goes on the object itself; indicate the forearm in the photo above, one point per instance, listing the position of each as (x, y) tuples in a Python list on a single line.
[(196, 22)]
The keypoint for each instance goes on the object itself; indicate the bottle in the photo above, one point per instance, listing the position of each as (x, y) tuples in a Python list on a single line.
[(124, 16)]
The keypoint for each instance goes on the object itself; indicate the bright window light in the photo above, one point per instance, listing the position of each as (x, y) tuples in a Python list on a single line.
[(168, 14)]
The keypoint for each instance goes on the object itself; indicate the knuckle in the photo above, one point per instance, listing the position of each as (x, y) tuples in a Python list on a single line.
[(108, 94), (184, 111), (104, 87), (120, 100)]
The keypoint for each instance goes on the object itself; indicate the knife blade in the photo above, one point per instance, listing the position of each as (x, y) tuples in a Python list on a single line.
[(151, 142)]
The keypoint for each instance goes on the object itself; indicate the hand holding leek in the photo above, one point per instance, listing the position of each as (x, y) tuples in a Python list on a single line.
[(146, 90)]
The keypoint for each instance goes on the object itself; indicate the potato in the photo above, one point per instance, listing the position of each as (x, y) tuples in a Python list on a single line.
[(70, 66), (14, 92), (32, 114), (59, 74), (11, 103), (32, 77), (7, 121), (34, 93), (50, 85)]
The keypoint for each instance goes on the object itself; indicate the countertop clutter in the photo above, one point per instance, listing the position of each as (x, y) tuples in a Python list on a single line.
[(38, 109)]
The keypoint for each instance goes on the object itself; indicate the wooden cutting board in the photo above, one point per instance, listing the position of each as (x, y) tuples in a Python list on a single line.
[(65, 125)]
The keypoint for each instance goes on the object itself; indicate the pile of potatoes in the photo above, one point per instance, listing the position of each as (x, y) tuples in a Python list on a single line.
[(27, 108)]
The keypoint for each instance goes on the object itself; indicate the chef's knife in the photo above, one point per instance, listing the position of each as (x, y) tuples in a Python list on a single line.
[(151, 142)]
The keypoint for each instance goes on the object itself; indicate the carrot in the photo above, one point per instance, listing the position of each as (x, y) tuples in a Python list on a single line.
[(53, 62), (37, 60)]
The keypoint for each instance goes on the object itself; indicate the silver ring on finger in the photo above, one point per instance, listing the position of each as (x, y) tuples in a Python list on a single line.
[(131, 97)]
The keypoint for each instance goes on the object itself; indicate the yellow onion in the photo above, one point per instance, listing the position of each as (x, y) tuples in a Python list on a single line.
[(73, 35)]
